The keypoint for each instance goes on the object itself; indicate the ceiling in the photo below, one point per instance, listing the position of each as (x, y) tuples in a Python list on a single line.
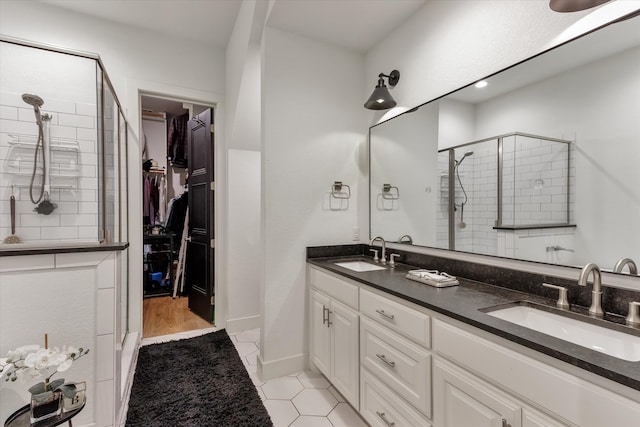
[(353, 24)]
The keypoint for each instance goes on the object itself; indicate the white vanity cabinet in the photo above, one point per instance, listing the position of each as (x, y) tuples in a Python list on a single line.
[(395, 361), (401, 364), (462, 399), (477, 378), (334, 327)]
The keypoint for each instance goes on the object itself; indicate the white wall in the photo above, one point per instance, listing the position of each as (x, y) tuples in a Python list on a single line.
[(451, 43), (244, 167), (313, 135), (244, 240)]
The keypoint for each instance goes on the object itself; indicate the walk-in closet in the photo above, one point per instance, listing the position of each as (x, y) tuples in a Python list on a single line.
[(168, 273)]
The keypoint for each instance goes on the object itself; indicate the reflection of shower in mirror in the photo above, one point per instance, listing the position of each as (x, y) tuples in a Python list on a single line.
[(461, 224)]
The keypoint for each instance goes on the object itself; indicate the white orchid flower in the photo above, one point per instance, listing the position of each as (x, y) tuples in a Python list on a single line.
[(29, 362), (22, 351)]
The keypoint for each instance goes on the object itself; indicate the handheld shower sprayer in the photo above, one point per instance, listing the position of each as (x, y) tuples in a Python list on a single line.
[(467, 154), (36, 102), (46, 207), (461, 224)]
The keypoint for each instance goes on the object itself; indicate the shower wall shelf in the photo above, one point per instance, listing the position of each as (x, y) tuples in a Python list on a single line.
[(57, 144), (64, 158)]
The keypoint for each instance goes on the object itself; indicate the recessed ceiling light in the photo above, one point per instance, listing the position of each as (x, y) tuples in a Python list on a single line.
[(481, 84)]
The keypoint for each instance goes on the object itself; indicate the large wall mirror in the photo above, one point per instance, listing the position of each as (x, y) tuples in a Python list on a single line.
[(542, 164)]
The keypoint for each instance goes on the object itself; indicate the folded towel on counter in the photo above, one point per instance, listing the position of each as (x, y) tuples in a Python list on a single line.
[(432, 278)]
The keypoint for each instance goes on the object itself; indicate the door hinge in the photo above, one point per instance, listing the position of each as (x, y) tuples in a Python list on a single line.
[(213, 127), (213, 243), (213, 300), (213, 186)]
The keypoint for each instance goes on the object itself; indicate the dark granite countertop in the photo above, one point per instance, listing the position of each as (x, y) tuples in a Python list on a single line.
[(465, 303), (60, 248)]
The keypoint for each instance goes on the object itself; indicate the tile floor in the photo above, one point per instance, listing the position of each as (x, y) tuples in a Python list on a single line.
[(305, 399)]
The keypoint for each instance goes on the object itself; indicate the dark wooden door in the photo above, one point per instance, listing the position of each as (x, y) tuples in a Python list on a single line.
[(200, 268)]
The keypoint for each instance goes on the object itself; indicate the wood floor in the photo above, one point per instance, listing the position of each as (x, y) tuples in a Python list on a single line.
[(165, 315)]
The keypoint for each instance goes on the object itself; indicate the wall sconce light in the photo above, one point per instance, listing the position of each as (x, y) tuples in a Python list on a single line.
[(574, 5), (381, 99)]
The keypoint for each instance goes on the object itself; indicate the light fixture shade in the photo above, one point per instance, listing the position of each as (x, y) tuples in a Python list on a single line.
[(380, 99), (574, 5)]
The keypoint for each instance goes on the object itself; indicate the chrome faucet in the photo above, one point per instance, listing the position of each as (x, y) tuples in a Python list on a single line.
[(633, 268), (383, 256), (596, 292)]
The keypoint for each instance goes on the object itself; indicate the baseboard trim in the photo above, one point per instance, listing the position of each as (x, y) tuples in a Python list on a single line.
[(131, 348), (243, 324), (281, 367)]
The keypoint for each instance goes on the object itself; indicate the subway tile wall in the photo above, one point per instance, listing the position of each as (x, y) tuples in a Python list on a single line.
[(73, 169)]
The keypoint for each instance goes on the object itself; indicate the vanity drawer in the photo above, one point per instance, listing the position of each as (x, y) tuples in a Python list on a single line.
[(339, 289), (399, 363), (378, 403), (398, 317)]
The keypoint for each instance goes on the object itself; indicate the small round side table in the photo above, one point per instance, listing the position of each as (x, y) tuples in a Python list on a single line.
[(21, 418)]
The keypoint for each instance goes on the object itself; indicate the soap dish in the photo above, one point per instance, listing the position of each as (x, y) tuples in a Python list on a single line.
[(432, 278)]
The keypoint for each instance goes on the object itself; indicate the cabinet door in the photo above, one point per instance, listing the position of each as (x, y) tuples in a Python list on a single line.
[(345, 368), (461, 399), (320, 333)]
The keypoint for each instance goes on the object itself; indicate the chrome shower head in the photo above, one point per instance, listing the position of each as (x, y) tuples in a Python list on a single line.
[(36, 102)]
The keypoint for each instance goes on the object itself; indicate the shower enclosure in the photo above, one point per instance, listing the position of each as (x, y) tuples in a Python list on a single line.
[(63, 148), (63, 154), (499, 189)]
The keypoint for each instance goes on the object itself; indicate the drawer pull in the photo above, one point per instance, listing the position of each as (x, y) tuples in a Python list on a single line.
[(384, 418), (384, 359), (329, 322), (505, 423), (388, 316), (324, 314)]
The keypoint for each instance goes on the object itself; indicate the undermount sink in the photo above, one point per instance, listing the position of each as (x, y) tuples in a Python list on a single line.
[(359, 266), (614, 343)]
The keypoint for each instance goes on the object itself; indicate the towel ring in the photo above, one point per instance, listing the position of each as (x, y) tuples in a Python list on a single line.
[(337, 190), (388, 193)]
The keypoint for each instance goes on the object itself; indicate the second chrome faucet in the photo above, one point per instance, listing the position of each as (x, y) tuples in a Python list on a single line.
[(383, 255), (596, 291)]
